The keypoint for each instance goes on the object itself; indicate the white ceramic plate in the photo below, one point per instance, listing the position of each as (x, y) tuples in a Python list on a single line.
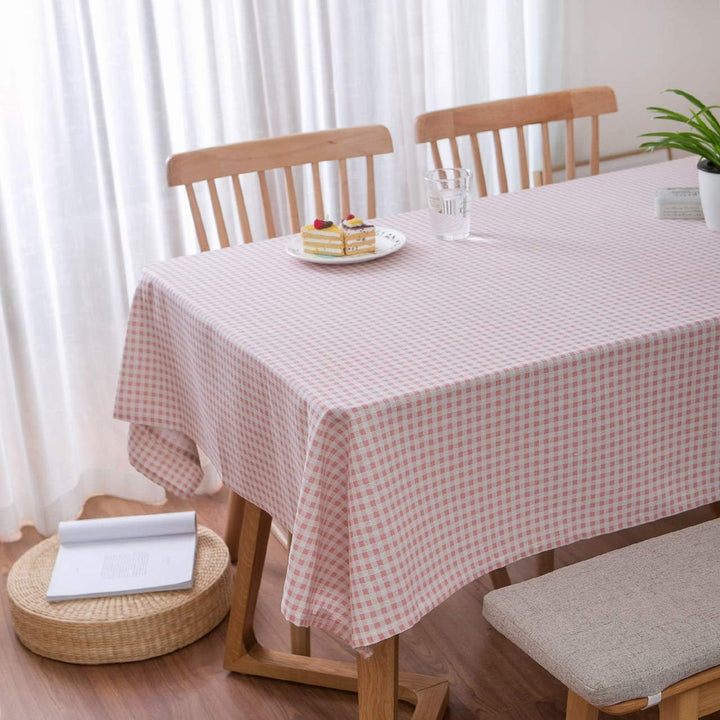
[(387, 241)]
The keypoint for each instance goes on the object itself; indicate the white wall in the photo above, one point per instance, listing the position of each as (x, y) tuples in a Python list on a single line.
[(640, 48)]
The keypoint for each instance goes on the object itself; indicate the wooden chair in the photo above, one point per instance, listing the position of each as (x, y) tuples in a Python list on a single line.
[(518, 113), (280, 154), (626, 630)]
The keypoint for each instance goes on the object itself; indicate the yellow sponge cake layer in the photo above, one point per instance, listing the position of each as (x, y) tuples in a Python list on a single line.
[(325, 241)]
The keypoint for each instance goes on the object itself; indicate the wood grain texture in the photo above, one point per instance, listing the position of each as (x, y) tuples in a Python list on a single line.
[(519, 112), (263, 158), (285, 151), (707, 683), (681, 707), (514, 112), (579, 709), (236, 505), (490, 679), (380, 697)]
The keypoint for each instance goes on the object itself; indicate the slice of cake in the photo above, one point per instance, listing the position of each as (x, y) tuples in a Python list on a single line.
[(323, 237), (359, 236)]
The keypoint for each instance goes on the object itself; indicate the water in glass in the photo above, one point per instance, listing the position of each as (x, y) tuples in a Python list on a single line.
[(448, 195)]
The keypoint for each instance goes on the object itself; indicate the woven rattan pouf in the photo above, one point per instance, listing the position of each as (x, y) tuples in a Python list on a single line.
[(120, 628)]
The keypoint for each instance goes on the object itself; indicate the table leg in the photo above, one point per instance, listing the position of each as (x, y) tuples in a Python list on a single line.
[(378, 681), (236, 507), (299, 640), (375, 679)]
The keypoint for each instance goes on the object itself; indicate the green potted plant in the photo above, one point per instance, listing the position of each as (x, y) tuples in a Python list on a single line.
[(699, 136)]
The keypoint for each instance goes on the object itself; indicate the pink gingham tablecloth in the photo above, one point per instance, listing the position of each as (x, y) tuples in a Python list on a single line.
[(419, 420)]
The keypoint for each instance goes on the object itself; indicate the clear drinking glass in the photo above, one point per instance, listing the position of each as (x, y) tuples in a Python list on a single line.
[(448, 194)]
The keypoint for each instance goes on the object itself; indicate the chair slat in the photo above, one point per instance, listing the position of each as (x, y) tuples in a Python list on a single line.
[(242, 210), (500, 162), (267, 205), (292, 200), (455, 153), (569, 149), (344, 188), (547, 155), (436, 155), (522, 158), (595, 146), (477, 162), (217, 212), (317, 190), (197, 219), (370, 175)]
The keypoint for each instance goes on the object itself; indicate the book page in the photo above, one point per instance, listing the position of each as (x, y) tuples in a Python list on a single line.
[(112, 528), (124, 565)]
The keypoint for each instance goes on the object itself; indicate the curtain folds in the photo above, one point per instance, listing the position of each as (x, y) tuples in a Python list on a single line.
[(95, 95)]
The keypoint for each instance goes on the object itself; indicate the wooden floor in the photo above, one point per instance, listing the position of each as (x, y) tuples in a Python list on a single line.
[(489, 677)]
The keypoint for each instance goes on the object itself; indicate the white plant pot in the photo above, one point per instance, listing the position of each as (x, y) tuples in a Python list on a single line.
[(709, 184)]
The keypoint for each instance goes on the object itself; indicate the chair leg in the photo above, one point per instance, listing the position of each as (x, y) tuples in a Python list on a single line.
[(233, 526), (684, 706), (579, 709), (546, 562), (500, 578), (299, 640)]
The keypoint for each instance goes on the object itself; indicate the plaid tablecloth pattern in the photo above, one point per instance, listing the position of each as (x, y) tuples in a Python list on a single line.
[(419, 420)]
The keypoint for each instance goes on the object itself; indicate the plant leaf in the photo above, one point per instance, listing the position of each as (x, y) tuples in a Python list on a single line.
[(688, 97), (702, 107), (701, 136)]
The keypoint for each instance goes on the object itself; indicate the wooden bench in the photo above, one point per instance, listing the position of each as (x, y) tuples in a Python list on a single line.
[(630, 629)]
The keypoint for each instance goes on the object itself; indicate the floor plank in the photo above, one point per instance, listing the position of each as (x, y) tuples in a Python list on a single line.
[(490, 678)]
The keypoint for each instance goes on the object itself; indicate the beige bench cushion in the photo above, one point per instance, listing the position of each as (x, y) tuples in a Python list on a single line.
[(623, 625)]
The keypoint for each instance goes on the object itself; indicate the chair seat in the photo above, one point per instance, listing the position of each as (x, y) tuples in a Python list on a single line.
[(623, 625)]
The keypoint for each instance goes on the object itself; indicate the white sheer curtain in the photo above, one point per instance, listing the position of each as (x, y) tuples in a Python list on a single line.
[(95, 94)]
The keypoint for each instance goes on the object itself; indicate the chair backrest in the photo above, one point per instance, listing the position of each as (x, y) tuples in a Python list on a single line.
[(286, 152), (518, 113)]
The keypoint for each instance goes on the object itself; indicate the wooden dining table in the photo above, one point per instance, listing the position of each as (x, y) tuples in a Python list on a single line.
[(419, 420)]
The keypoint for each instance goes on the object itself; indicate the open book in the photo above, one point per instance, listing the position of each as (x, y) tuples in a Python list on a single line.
[(124, 555)]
